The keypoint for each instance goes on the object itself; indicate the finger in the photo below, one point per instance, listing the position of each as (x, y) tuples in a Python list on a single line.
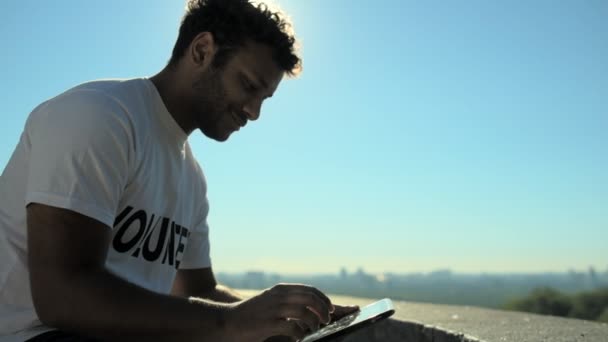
[(301, 314), (310, 300), (343, 311), (290, 328), (304, 295), (306, 288), (304, 326)]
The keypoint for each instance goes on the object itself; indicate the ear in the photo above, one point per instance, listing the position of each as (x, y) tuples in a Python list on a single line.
[(202, 49)]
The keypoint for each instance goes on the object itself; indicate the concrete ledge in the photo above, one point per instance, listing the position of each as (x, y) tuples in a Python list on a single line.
[(420, 322), (408, 331)]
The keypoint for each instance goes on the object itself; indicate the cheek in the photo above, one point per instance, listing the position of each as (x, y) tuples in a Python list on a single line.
[(232, 95)]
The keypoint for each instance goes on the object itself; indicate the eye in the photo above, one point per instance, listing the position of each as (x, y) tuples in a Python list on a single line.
[(248, 86)]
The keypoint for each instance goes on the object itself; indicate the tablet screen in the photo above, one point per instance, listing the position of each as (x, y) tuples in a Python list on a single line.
[(369, 314)]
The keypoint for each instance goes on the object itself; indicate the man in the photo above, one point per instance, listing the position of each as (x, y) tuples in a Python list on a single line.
[(103, 230)]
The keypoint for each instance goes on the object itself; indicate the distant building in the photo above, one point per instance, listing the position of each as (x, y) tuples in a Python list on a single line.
[(254, 280), (343, 274)]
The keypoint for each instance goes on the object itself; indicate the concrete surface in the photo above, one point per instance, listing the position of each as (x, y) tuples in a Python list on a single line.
[(419, 322)]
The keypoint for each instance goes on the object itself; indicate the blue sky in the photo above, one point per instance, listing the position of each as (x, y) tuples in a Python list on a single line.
[(468, 135)]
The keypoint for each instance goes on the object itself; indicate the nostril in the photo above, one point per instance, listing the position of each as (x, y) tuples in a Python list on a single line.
[(252, 111)]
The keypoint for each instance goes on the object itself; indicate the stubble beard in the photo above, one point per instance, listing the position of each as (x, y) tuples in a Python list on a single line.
[(210, 104)]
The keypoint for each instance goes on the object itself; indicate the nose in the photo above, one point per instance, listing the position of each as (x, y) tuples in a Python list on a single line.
[(253, 108)]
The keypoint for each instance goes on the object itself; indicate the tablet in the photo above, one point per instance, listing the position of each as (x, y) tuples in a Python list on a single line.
[(367, 315)]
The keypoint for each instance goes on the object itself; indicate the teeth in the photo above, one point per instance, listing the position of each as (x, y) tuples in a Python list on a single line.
[(243, 118), (237, 120)]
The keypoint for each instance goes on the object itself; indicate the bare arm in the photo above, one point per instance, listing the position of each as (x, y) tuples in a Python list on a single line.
[(201, 283), (72, 290)]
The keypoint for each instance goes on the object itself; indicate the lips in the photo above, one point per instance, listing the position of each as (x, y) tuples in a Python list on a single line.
[(239, 119)]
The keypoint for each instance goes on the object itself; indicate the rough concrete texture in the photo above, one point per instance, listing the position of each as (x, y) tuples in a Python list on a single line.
[(419, 322)]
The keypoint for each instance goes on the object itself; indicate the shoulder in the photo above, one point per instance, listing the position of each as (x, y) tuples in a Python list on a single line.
[(79, 105), (93, 108), (120, 97)]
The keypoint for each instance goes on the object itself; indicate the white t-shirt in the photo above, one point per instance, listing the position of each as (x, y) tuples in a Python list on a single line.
[(109, 150)]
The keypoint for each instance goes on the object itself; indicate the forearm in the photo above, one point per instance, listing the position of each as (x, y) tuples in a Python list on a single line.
[(97, 303)]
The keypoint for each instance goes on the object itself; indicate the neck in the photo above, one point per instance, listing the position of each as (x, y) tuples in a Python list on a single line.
[(172, 92)]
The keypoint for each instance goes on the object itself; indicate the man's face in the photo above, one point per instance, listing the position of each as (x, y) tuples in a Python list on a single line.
[(229, 96)]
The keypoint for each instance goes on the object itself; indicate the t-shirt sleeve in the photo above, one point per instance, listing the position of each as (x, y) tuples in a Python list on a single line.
[(197, 251), (80, 152), (196, 254)]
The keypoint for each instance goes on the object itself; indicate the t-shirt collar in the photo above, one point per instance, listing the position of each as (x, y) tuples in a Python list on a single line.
[(174, 129)]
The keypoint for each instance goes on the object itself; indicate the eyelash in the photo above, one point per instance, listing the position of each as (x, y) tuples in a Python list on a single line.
[(248, 86)]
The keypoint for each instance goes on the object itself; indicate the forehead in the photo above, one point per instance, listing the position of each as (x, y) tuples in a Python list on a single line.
[(256, 60)]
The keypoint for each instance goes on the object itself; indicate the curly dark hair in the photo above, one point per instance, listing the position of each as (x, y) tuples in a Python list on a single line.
[(232, 23)]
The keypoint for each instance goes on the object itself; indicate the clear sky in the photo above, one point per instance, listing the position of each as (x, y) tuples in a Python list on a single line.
[(469, 135)]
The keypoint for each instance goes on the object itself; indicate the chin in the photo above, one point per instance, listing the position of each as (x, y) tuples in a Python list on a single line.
[(215, 135), (222, 139)]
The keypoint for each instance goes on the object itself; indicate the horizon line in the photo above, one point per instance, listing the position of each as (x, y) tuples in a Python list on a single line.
[(444, 270)]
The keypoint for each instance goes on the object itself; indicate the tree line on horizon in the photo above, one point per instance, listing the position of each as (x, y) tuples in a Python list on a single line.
[(588, 305)]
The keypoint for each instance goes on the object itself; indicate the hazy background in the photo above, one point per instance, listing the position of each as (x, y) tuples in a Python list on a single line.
[(422, 135)]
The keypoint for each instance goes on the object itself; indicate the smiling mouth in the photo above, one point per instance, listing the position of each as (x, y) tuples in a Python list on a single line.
[(239, 119)]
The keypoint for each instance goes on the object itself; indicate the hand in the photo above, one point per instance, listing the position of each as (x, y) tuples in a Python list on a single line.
[(342, 311), (291, 310), (339, 312)]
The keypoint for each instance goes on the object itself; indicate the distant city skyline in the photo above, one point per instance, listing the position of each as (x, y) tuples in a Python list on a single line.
[(421, 135), (355, 270), (444, 286), (377, 272)]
